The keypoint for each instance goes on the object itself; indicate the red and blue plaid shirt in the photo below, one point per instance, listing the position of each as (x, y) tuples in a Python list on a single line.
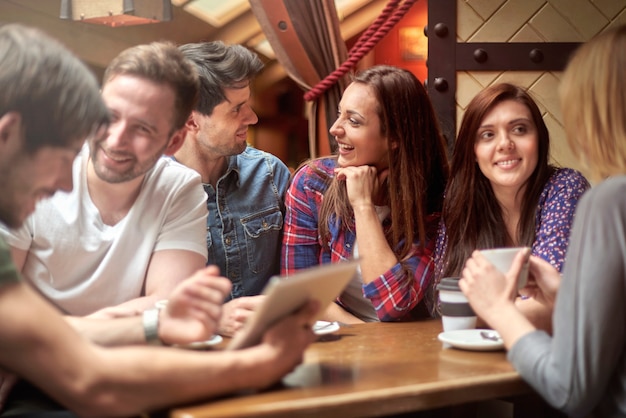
[(393, 294)]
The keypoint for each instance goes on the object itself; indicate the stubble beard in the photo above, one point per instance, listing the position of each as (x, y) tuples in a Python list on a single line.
[(137, 169)]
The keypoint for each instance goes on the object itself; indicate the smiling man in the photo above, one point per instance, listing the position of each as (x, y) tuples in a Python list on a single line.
[(132, 227), (245, 187), (49, 102)]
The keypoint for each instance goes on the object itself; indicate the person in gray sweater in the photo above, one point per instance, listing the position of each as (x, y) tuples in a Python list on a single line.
[(581, 368)]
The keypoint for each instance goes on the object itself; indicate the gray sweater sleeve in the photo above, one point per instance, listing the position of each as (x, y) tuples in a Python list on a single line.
[(581, 368)]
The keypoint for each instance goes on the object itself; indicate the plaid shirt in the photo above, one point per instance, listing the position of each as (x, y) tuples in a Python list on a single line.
[(393, 294)]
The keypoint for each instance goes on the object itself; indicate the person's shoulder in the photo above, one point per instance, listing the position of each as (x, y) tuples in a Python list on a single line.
[(319, 166), (251, 154), (314, 174), (605, 202), (610, 190), (566, 180), (568, 175), (167, 169)]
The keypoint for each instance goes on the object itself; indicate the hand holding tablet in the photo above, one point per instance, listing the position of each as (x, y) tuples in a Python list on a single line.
[(285, 295)]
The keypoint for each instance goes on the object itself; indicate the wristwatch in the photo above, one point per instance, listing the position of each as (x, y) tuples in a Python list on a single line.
[(151, 326)]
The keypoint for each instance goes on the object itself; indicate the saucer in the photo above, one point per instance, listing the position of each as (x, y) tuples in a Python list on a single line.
[(199, 345), (324, 327), (471, 339)]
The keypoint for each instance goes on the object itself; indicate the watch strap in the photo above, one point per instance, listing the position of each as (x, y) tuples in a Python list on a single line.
[(151, 326)]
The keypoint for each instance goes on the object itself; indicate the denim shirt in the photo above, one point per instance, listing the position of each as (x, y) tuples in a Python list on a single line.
[(245, 222)]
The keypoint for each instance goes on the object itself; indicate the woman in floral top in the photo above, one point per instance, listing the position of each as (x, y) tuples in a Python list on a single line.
[(378, 199), (502, 190)]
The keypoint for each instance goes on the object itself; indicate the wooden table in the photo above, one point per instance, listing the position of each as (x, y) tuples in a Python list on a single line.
[(372, 370)]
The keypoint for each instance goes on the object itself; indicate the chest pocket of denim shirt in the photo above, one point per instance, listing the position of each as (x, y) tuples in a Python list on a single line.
[(263, 239)]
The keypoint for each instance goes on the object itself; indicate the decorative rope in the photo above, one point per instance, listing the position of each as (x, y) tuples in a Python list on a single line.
[(368, 40)]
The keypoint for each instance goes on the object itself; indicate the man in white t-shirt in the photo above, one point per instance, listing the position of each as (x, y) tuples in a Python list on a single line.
[(49, 103), (134, 224)]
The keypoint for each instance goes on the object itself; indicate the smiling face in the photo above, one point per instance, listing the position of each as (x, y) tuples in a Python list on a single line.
[(506, 146), (27, 178), (140, 131), (357, 129), (225, 131)]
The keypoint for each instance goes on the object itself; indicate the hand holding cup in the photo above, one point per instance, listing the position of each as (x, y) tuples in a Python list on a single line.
[(503, 258), (488, 289)]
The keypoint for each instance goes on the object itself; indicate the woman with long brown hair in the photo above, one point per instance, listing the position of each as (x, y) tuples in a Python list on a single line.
[(503, 192), (581, 368), (379, 198)]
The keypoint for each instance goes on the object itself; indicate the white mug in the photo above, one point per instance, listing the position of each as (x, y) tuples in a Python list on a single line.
[(502, 258)]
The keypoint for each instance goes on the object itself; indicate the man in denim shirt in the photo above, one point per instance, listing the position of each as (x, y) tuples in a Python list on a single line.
[(245, 186)]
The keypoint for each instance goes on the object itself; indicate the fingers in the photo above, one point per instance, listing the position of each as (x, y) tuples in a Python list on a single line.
[(382, 176), (521, 258), (206, 282), (308, 311), (471, 268), (249, 303)]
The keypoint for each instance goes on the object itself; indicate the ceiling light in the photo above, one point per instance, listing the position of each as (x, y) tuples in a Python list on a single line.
[(117, 12)]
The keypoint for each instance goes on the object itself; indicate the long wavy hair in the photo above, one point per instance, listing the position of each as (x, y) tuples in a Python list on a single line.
[(418, 164), (471, 212)]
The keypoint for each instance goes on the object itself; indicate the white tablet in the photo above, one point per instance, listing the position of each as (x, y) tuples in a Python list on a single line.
[(286, 295)]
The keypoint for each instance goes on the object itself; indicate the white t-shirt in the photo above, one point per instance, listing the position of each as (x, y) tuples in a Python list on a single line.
[(83, 265)]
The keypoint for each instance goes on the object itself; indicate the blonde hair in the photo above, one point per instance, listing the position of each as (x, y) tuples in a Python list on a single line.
[(593, 99)]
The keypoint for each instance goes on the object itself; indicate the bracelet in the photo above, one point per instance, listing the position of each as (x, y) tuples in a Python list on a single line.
[(151, 326)]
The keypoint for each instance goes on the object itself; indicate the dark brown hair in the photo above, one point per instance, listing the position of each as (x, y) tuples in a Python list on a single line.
[(161, 62), (418, 165), (471, 212)]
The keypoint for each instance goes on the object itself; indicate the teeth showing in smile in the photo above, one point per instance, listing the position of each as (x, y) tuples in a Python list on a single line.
[(345, 147), (507, 162)]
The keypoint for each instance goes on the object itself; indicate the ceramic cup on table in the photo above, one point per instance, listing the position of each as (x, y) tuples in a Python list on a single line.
[(502, 258), (456, 312)]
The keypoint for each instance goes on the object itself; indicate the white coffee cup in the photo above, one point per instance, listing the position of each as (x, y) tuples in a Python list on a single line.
[(502, 258), (456, 312)]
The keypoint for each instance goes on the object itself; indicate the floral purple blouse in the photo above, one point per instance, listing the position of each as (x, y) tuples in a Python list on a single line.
[(554, 218)]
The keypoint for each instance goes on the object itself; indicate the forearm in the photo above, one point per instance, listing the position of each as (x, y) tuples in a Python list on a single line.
[(510, 323), (109, 332), (91, 380), (335, 312), (538, 314), (142, 303), (135, 380), (375, 255)]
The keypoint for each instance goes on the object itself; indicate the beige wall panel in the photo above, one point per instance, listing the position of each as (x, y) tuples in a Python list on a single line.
[(583, 15), (467, 88), (553, 27), (520, 78), (610, 8), (468, 22), (527, 34), (545, 93), (560, 153), (485, 8), (620, 19), (507, 20), (485, 78)]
